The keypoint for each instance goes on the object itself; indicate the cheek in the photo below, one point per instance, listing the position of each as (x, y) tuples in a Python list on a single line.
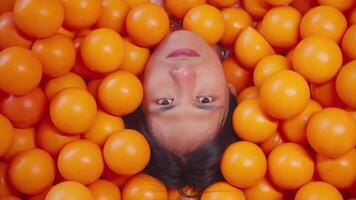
[(213, 76)]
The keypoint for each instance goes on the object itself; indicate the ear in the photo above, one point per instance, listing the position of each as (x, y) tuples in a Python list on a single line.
[(232, 89)]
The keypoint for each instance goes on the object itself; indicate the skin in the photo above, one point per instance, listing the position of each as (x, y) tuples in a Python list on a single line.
[(185, 98)]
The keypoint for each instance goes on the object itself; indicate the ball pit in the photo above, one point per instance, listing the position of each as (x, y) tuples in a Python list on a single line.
[(71, 70)]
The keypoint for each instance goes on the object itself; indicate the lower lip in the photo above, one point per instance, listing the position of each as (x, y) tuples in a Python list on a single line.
[(183, 52)]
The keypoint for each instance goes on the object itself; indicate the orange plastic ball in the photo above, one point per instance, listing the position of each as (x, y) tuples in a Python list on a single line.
[(268, 66), (206, 21), (80, 14), (103, 50), (251, 47), (248, 93), (50, 139), (32, 171), (256, 8), (68, 80), (303, 6), (263, 190), (342, 5), (118, 180), (136, 3), (323, 20), (6, 136), (4, 180), (69, 190), (317, 59), (23, 139), (126, 152), (280, 26), (346, 84), (104, 190), (135, 58), (223, 3), (178, 8), (147, 18), (222, 190), (268, 145), (237, 76), (120, 93), (340, 172), (65, 32), (290, 166), (38, 18), (93, 86), (352, 17), (10, 35), (278, 2), (113, 15), (73, 110), (349, 38), (284, 94), (234, 165), (236, 19), (24, 111), (331, 132), (318, 190), (143, 186), (57, 54), (326, 94), (20, 69), (103, 126), (6, 5), (251, 123), (81, 161), (294, 129), (9, 197)]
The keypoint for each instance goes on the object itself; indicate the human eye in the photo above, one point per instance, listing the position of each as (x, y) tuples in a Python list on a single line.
[(165, 101), (205, 99)]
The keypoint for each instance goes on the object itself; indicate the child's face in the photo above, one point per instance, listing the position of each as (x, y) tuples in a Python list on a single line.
[(185, 92)]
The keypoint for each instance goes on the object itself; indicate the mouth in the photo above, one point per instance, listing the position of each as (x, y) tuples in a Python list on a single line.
[(183, 53)]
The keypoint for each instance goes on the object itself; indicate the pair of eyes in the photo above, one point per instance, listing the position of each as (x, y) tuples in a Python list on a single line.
[(169, 101)]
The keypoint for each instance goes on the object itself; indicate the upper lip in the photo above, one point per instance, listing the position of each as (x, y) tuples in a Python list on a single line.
[(183, 52)]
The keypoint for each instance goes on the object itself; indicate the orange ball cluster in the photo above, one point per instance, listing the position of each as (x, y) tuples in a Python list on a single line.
[(70, 71)]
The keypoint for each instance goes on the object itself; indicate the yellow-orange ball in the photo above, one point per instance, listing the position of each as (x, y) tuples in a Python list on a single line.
[(251, 123), (346, 84), (234, 168), (69, 190), (206, 21), (331, 132), (284, 94), (323, 20), (73, 110), (81, 161), (39, 18), (318, 190), (251, 47), (280, 26), (143, 186), (317, 59), (147, 24), (32, 171), (103, 50), (290, 166), (222, 190), (120, 93), (126, 152)]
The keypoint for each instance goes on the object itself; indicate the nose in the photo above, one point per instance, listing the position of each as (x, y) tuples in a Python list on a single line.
[(183, 74)]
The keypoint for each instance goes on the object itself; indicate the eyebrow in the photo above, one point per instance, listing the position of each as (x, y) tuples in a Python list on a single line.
[(200, 106)]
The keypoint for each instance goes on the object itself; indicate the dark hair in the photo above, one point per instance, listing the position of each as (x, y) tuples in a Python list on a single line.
[(198, 168)]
